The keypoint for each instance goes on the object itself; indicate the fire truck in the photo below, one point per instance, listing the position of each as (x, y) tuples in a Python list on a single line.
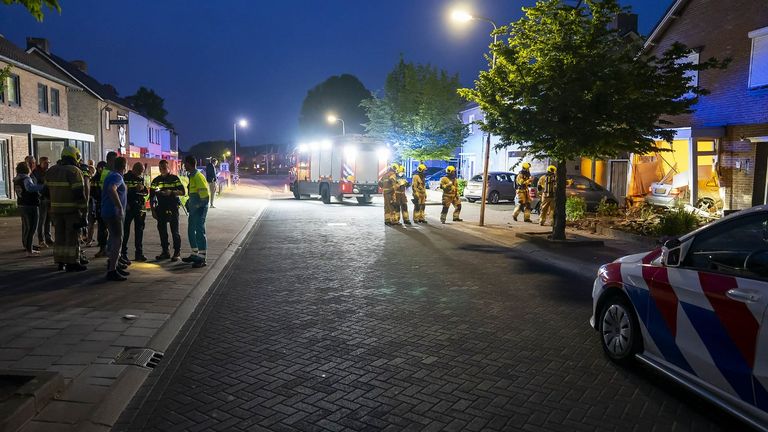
[(343, 167)]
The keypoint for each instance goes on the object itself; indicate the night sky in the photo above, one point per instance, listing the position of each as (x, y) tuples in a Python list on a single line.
[(216, 61)]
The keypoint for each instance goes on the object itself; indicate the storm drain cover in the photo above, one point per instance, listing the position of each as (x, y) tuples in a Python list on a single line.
[(143, 357)]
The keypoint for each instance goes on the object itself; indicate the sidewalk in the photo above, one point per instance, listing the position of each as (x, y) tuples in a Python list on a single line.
[(76, 324), (502, 231)]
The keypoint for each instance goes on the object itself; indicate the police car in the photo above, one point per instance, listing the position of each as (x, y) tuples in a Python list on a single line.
[(695, 310)]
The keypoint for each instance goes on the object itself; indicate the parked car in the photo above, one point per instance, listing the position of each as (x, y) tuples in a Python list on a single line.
[(578, 185), (501, 186), (671, 194), (695, 309)]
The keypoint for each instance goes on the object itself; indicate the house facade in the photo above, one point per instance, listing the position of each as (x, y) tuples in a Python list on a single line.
[(721, 149), (34, 113)]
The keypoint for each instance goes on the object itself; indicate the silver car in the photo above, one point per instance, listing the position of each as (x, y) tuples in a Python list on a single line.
[(578, 185), (501, 186)]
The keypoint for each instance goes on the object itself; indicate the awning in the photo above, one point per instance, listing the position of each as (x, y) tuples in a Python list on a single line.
[(42, 131)]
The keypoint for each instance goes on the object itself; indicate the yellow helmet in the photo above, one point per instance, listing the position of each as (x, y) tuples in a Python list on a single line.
[(394, 167), (551, 168), (72, 152), (450, 169), (422, 168), (526, 165), (401, 169)]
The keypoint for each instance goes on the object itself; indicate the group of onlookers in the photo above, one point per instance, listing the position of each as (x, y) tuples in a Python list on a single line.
[(79, 199)]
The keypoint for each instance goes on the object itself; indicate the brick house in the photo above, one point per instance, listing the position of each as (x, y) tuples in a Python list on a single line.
[(727, 134), (34, 108)]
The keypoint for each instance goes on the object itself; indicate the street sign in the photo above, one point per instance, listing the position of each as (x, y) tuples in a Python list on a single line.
[(119, 122)]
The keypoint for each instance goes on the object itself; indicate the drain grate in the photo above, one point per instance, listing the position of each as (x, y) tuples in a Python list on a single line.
[(143, 357)]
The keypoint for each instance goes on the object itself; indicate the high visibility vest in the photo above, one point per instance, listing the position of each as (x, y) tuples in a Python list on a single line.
[(198, 185), (65, 185)]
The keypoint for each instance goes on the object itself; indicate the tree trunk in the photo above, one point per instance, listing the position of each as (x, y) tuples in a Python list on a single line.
[(558, 222)]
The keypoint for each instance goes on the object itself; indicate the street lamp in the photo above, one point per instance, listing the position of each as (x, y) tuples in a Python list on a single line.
[(333, 119), (463, 16), (242, 123)]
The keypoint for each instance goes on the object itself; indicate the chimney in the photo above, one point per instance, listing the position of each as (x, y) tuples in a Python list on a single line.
[(625, 23), (81, 65), (39, 43)]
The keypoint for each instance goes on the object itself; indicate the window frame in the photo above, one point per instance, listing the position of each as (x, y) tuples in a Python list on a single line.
[(15, 81), (55, 107), (42, 105), (755, 36)]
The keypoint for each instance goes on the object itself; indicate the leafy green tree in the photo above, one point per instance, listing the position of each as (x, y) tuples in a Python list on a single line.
[(566, 86), (35, 7), (150, 103), (418, 112), (338, 95), (215, 148), (5, 73)]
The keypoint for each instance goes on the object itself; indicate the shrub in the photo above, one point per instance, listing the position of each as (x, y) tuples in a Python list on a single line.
[(575, 208), (676, 222), (462, 185), (605, 208)]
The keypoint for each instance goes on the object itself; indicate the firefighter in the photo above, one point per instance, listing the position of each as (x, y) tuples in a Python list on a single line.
[(164, 198), (523, 181), (547, 186), (400, 199), (450, 186), (136, 212), (68, 205), (387, 185), (419, 187)]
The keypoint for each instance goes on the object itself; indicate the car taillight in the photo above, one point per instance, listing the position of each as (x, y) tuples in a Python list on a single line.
[(650, 189)]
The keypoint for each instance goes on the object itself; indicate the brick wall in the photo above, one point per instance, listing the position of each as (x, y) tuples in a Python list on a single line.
[(720, 29), (737, 165), (28, 112)]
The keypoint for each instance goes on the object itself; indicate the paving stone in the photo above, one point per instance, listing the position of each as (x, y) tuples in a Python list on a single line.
[(35, 362), (76, 358), (12, 353), (131, 341), (63, 412), (102, 336)]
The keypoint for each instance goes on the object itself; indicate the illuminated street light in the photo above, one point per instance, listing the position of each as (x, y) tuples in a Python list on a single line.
[(333, 119), (242, 123), (462, 16)]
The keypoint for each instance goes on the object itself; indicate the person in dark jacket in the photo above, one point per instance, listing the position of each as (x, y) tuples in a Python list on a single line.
[(44, 237), (28, 200), (136, 212), (211, 178)]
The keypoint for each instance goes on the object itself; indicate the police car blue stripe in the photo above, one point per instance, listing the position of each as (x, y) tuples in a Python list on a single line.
[(723, 351)]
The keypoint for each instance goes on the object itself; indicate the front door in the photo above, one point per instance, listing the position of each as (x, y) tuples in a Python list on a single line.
[(761, 168), (618, 178)]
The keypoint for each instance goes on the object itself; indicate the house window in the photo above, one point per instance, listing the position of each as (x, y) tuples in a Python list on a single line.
[(758, 63), (106, 120), (42, 98), (55, 102), (13, 89), (471, 123)]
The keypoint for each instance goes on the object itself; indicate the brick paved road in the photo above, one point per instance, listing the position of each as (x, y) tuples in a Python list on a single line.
[(329, 320)]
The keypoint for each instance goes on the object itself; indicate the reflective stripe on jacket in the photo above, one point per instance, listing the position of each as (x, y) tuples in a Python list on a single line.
[(65, 185)]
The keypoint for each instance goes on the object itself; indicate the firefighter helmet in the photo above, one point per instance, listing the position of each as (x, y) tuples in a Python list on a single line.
[(526, 165), (394, 167), (422, 168), (551, 168), (450, 169), (400, 169), (71, 152)]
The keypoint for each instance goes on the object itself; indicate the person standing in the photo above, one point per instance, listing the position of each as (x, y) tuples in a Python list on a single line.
[(94, 203), (419, 188), (387, 183), (450, 186), (114, 199), (211, 178), (523, 181), (400, 199), (64, 182), (197, 206), (136, 212), (164, 194), (547, 186), (28, 201), (102, 233), (44, 237)]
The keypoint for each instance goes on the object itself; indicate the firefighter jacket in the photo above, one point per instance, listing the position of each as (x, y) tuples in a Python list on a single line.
[(419, 186), (523, 180), (547, 185), (65, 185), (388, 182), (450, 186), (137, 191)]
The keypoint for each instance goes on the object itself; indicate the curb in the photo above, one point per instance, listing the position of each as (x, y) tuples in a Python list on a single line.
[(544, 240), (117, 399)]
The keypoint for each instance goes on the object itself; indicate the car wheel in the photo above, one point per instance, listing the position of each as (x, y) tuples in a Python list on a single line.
[(325, 194), (296, 191), (364, 200), (493, 198), (619, 330), (471, 199), (706, 204)]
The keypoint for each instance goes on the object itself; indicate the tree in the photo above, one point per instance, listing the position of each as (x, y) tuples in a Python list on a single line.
[(418, 112), (216, 149), (5, 73), (338, 95), (566, 86), (150, 103), (35, 7)]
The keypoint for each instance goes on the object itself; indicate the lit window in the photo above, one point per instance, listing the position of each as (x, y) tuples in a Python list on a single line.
[(758, 64), (472, 123)]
